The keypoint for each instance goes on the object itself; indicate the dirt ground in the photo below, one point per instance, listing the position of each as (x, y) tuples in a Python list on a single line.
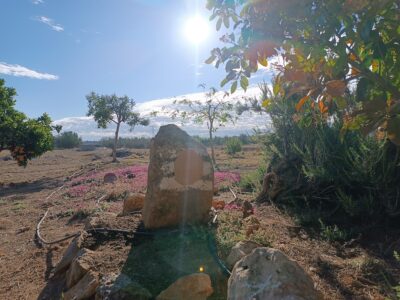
[(66, 182)]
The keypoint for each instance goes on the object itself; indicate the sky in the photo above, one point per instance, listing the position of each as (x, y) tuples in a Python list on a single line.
[(55, 52)]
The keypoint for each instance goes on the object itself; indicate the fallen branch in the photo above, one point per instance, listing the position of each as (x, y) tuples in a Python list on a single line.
[(43, 241)]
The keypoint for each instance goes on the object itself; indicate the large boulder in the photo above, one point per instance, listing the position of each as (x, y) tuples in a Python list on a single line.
[(267, 273), (180, 180), (192, 287)]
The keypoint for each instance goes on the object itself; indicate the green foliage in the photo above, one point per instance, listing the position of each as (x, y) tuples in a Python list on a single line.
[(67, 140), (214, 111), (333, 233), (25, 138), (328, 174), (112, 109), (324, 45), (131, 143), (233, 146), (252, 182)]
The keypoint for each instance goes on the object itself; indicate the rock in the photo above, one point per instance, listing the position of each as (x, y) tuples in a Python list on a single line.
[(85, 288), (121, 287), (79, 267), (110, 178), (247, 209), (180, 180), (267, 273), (218, 204), (239, 251), (133, 202), (70, 254), (103, 220), (192, 287)]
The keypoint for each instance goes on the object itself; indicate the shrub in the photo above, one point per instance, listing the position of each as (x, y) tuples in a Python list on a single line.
[(131, 143), (340, 177), (233, 146), (252, 182), (67, 140)]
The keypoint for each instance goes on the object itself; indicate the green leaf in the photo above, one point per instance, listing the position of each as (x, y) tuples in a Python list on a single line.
[(210, 59), (226, 22), (223, 82), (218, 25), (244, 82), (233, 87)]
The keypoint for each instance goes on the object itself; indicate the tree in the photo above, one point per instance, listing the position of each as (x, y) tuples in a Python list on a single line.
[(108, 109), (327, 47), (67, 140), (215, 111), (25, 138)]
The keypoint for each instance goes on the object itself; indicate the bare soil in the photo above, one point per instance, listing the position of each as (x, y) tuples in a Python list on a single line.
[(363, 268)]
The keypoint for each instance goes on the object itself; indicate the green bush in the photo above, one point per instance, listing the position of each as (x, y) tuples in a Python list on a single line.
[(131, 143), (332, 175), (233, 146), (67, 140), (252, 182)]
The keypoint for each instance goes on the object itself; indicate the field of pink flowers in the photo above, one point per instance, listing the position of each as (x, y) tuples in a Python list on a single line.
[(133, 179)]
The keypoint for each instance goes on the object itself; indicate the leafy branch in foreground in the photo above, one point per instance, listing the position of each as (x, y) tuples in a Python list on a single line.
[(327, 46)]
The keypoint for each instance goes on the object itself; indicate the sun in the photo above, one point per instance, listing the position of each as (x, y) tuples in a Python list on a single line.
[(196, 29)]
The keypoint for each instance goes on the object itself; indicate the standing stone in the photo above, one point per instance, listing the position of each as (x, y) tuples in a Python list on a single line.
[(180, 180)]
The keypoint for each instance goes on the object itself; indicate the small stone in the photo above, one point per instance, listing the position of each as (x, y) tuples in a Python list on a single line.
[(133, 202), (192, 287), (218, 204), (110, 178), (247, 209), (85, 288), (104, 220), (239, 251)]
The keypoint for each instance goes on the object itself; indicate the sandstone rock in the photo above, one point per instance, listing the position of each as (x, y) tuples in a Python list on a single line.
[(79, 267), (85, 288), (239, 251), (70, 253), (180, 180), (191, 287), (110, 178), (121, 287), (218, 204), (133, 202), (267, 273)]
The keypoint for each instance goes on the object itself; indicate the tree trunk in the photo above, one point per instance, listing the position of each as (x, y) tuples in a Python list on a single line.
[(114, 154), (212, 150)]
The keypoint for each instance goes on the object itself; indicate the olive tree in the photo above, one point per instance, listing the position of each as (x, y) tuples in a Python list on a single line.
[(24, 137), (215, 111), (107, 109)]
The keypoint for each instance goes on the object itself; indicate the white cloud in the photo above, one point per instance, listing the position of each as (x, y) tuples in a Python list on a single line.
[(86, 127), (50, 22), (37, 2), (20, 71)]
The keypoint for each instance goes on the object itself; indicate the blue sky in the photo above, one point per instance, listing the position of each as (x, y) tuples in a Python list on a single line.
[(65, 49)]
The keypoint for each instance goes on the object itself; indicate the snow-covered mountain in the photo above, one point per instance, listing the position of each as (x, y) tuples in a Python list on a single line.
[(86, 127)]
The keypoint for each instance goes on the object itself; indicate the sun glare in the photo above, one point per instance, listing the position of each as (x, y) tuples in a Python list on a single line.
[(196, 29)]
